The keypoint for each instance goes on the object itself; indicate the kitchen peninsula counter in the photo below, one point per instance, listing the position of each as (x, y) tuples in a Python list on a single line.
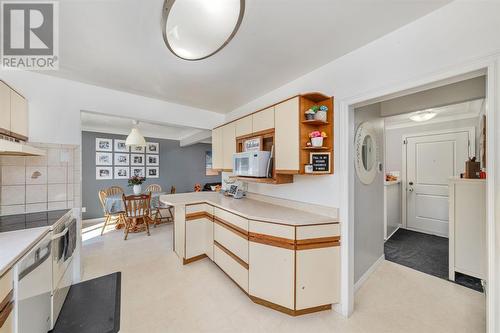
[(284, 258)]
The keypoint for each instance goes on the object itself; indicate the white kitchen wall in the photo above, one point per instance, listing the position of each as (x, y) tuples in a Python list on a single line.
[(418, 49), (40, 183)]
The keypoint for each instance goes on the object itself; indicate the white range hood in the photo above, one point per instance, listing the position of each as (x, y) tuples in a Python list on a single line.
[(19, 149)]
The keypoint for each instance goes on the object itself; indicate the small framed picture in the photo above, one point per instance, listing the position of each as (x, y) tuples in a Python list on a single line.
[(152, 148), (121, 159), (102, 144), (137, 149), (120, 146), (153, 172), (103, 158), (135, 171), (122, 172), (103, 173), (136, 159), (152, 159)]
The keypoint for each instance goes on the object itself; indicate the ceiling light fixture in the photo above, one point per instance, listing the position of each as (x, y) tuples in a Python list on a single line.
[(197, 29), (425, 115), (135, 137)]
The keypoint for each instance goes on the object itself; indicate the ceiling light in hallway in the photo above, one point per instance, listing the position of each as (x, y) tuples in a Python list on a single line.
[(425, 115), (197, 29)]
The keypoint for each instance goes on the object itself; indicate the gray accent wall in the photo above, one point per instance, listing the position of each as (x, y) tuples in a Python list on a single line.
[(181, 167), (369, 201)]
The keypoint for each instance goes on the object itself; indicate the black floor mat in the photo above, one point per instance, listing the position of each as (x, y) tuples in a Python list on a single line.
[(92, 306), (424, 253)]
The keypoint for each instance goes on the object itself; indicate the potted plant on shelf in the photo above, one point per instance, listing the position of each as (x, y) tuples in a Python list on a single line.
[(321, 113), (311, 113), (317, 138), (136, 183)]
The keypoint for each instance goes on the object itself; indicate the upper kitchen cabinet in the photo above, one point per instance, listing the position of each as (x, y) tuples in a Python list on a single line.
[(263, 120), (18, 116), (13, 113), (229, 145), (217, 149), (4, 108), (286, 129), (244, 126)]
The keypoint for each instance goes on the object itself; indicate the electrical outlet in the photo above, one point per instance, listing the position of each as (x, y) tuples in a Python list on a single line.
[(84, 209)]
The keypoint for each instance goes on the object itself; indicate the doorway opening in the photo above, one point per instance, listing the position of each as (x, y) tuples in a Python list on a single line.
[(418, 211)]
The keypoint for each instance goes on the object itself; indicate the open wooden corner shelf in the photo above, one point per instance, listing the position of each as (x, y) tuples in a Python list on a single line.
[(307, 126)]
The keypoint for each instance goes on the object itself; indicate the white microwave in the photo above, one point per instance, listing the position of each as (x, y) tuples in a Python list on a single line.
[(251, 163)]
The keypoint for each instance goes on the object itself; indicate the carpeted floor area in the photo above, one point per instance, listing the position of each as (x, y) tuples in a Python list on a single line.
[(425, 253)]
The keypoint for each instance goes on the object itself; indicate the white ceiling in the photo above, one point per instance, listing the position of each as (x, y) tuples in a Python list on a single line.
[(452, 112), (96, 122), (118, 44)]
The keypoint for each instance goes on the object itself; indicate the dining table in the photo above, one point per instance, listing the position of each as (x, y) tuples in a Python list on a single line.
[(114, 204)]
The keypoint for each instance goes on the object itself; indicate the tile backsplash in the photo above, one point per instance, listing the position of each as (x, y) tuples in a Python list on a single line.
[(39, 183)]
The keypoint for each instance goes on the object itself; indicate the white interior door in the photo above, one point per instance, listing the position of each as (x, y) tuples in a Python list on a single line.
[(430, 161)]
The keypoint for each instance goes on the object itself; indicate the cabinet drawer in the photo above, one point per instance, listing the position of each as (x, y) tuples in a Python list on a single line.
[(199, 208), (5, 285), (318, 231), (232, 268), (233, 219), (231, 241), (7, 319), (271, 229)]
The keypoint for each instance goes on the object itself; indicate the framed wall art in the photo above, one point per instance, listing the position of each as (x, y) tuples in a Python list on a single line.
[(122, 159), (103, 144), (152, 159), (102, 173), (120, 146), (122, 172), (137, 171), (103, 158), (152, 148), (152, 172), (137, 159)]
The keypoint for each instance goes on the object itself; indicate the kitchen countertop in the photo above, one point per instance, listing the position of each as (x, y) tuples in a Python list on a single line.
[(31, 220), (15, 244), (250, 209)]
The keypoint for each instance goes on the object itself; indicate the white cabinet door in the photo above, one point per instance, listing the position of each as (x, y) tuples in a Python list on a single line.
[(243, 126), (217, 149), (229, 145), (18, 114), (196, 234), (286, 118), (271, 274), (318, 277), (430, 161), (263, 120), (4, 107)]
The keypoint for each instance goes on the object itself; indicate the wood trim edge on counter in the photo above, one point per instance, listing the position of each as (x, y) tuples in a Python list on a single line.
[(284, 243), (6, 300), (290, 244), (231, 254), (4, 314), (198, 215)]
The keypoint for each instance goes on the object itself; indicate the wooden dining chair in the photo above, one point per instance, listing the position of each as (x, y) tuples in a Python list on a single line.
[(156, 211), (114, 190), (108, 216), (137, 213)]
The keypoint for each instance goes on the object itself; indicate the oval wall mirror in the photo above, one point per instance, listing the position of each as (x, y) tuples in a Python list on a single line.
[(197, 29), (365, 147)]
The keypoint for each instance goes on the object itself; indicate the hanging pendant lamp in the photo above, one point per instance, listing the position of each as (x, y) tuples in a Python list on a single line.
[(135, 137)]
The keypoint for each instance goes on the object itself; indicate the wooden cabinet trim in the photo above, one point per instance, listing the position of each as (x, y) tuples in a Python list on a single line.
[(231, 227), (198, 215), (231, 254), (5, 312), (193, 259), (288, 311), (6, 300), (284, 243)]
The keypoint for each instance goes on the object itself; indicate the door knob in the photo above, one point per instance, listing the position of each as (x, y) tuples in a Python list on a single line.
[(410, 183)]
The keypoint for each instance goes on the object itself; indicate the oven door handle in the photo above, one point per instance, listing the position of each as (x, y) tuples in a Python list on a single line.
[(61, 234)]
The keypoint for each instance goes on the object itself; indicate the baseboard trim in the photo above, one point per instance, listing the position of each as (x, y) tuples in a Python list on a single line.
[(367, 274), (399, 226)]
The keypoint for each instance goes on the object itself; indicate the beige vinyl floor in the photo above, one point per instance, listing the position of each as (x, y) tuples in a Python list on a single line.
[(159, 294)]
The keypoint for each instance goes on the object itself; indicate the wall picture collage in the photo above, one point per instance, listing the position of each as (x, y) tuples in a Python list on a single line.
[(114, 160)]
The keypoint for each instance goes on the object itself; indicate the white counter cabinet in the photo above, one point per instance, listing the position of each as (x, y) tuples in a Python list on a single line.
[(291, 267), (467, 227)]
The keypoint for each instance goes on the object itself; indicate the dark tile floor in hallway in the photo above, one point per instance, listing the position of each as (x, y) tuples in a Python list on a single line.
[(425, 253)]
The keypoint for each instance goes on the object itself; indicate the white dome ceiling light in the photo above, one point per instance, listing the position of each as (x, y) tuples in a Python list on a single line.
[(135, 137), (197, 29), (425, 115)]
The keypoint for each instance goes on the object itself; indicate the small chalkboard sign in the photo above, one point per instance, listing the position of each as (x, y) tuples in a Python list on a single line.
[(320, 162)]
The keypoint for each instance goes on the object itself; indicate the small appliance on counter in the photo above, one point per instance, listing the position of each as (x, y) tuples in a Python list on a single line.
[(251, 163)]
